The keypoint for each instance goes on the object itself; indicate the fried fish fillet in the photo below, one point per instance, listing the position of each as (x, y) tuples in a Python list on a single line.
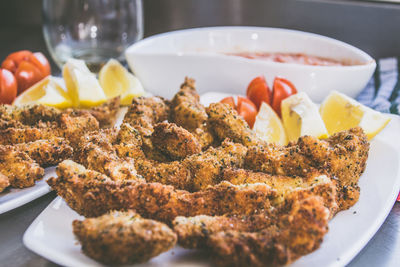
[(186, 110), (197, 171), (297, 231), (226, 123), (92, 194), (342, 156), (189, 113), (96, 152), (174, 141), (123, 238), (198, 231), (315, 183), (144, 112), (70, 125), (46, 152), (19, 168), (29, 115)]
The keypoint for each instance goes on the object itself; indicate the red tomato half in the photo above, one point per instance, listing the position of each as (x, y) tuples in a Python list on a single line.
[(282, 89), (258, 91), (244, 107), (8, 87)]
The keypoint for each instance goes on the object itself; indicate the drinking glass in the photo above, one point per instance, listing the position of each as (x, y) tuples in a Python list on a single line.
[(92, 30)]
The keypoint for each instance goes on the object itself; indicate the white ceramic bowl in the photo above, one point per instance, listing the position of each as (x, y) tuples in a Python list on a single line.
[(162, 61)]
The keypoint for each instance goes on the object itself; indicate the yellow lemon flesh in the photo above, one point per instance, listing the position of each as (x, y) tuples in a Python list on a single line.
[(268, 126), (300, 117), (117, 81), (46, 92), (340, 112), (82, 85)]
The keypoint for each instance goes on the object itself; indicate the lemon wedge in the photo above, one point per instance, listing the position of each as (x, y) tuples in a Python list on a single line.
[(340, 112), (268, 126), (117, 81), (46, 92), (300, 117), (82, 85)]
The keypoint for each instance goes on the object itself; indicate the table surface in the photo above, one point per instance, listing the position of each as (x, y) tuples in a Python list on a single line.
[(382, 250)]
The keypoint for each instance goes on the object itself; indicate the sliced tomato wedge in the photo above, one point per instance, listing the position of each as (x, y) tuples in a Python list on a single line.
[(282, 89), (8, 87), (258, 91), (244, 108)]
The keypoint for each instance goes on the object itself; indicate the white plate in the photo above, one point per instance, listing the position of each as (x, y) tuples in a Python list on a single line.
[(13, 197), (50, 235)]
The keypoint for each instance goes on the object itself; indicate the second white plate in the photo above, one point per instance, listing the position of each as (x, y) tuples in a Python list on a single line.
[(13, 197), (50, 235)]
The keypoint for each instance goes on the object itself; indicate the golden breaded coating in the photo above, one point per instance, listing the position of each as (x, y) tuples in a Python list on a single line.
[(144, 112), (123, 238), (224, 121), (20, 169), (128, 142), (315, 183), (4, 182), (298, 230), (92, 194), (195, 172), (46, 152), (70, 125), (174, 141), (186, 110), (96, 152), (194, 232), (342, 156), (29, 114), (106, 114)]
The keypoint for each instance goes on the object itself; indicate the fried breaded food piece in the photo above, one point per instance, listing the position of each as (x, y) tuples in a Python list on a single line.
[(144, 112), (29, 114), (194, 232), (224, 122), (70, 125), (20, 169), (46, 152), (174, 141), (189, 113), (195, 172), (106, 113), (186, 110), (315, 183), (128, 142), (298, 230), (92, 194), (4, 182), (96, 152), (123, 238), (343, 155)]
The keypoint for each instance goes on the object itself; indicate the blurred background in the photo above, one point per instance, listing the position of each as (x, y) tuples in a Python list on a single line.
[(372, 26)]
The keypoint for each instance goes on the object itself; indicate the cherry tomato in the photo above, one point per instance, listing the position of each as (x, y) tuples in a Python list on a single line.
[(27, 75), (12, 60), (244, 107), (8, 87), (282, 89), (258, 91), (27, 67)]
